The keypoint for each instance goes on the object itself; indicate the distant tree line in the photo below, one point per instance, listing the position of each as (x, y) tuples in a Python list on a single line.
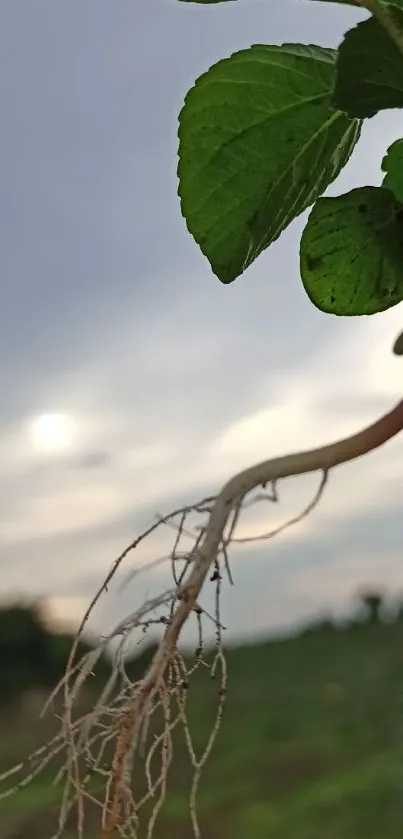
[(33, 656)]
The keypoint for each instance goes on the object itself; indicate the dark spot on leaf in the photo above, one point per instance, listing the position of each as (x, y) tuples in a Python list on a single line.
[(399, 216), (332, 298), (312, 262), (362, 208)]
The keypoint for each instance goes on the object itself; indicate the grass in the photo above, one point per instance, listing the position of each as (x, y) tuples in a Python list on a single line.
[(310, 746)]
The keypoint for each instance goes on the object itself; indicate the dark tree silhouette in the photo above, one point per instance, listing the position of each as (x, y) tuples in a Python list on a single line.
[(31, 655), (372, 601)]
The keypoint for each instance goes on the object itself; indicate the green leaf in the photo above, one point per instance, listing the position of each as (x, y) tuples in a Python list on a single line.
[(258, 143), (369, 71), (392, 164), (398, 4), (392, 5), (352, 252), (345, 2)]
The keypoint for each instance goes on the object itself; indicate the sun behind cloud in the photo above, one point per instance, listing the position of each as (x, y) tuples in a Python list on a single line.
[(52, 432)]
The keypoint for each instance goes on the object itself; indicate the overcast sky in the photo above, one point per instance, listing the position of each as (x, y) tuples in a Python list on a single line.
[(110, 315)]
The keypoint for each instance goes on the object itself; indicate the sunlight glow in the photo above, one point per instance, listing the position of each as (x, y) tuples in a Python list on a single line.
[(52, 432)]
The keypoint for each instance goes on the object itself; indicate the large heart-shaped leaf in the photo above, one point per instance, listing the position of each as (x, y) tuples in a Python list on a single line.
[(258, 143), (352, 252), (392, 164), (369, 70)]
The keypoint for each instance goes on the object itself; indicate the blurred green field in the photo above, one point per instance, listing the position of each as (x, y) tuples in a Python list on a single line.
[(310, 747)]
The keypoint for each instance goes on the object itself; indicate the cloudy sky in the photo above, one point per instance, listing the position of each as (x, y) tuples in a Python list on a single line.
[(110, 316)]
